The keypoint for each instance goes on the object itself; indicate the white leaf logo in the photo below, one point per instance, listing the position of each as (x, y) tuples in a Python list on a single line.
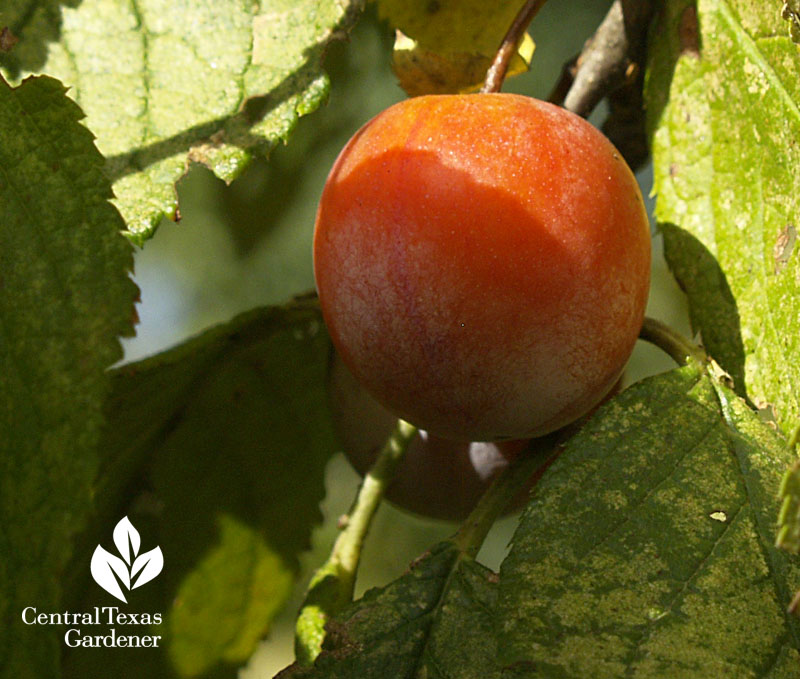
[(125, 538), (104, 565), (147, 565), (110, 572)]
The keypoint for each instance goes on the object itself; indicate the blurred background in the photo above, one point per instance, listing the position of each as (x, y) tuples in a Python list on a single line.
[(249, 244)]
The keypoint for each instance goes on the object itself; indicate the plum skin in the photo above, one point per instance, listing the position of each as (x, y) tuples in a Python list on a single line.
[(483, 264)]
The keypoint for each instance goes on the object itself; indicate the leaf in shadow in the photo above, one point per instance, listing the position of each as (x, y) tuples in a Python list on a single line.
[(35, 23), (225, 468), (712, 306), (789, 519), (646, 551), (65, 298), (433, 621)]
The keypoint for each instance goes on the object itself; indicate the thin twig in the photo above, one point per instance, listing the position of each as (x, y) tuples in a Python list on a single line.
[(533, 462), (331, 587), (497, 71)]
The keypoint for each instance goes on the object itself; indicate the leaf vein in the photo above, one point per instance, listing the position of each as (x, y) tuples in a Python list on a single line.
[(146, 114), (749, 47)]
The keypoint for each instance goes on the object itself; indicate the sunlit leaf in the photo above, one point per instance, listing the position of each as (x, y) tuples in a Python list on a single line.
[(723, 101), (165, 83)]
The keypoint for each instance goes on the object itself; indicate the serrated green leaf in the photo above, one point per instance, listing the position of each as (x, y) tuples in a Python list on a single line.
[(434, 621), (722, 99), (165, 83), (231, 431), (647, 549), (65, 297)]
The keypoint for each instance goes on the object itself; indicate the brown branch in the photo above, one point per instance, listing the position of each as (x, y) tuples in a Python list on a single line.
[(611, 57), (497, 71), (565, 80)]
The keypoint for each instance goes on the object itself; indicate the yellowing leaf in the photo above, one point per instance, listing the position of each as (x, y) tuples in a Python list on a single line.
[(425, 71), (446, 47), (447, 26)]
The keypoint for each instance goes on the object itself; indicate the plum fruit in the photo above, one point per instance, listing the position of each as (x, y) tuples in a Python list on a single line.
[(483, 264)]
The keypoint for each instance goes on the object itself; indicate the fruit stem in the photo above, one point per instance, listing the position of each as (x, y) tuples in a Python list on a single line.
[(332, 585), (497, 71), (671, 342), (534, 460)]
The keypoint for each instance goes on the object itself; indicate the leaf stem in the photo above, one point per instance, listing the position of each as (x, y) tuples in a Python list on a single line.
[(332, 585), (671, 342), (497, 71), (794, 439), (533, 461)]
